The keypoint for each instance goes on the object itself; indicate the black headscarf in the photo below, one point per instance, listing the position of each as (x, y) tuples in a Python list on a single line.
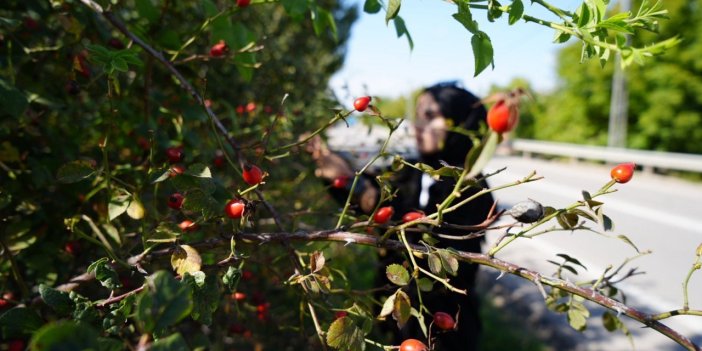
[(466, 111)]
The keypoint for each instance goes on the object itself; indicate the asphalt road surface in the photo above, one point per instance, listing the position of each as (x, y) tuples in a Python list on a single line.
[(657, 213)]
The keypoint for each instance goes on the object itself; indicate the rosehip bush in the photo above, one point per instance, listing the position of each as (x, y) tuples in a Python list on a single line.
[(117, 233)]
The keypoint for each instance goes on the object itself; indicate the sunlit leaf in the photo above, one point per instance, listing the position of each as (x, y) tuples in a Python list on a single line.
[(185, 259), (397, 274)]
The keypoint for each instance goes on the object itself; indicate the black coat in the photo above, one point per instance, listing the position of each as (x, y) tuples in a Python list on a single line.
[(407, 182), (467, 336)]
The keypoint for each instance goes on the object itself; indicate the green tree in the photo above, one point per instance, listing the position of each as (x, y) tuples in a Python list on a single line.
[(665, 106)]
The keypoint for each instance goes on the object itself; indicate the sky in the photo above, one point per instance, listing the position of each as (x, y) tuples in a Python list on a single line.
[(380, 64)]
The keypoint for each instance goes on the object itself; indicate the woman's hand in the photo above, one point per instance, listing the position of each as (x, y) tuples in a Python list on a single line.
[(330, 165)]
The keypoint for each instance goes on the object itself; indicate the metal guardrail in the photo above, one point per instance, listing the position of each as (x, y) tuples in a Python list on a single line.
[(646, 159)]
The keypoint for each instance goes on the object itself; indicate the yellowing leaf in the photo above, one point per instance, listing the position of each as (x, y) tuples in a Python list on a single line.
[(135, 209), (186, 259)]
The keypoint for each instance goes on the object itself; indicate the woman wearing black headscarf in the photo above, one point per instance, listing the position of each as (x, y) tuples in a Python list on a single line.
[(438, 109)]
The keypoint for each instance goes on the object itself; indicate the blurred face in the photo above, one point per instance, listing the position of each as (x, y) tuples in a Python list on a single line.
[(430, 125)]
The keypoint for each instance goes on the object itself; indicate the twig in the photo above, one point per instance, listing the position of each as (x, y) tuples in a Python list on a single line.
[(320, 333)]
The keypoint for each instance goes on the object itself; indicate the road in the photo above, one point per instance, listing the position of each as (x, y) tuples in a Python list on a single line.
[(661, 214)]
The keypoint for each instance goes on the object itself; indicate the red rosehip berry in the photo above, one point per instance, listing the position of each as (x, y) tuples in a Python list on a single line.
[(176, 170), (340, 314), (234, 208), (188, 226), (444, 321), (252, 174), (413, 345), (383, 214), (116, 44), (239, 296), (72, 247), (219, 49), (5, 300), (501, 118), (361, 104), (251, 107), (219, 159), (623, 172), (143, 143), (175, 154), (340, 182), (240, 110), (243, 3), (175, 201), (267, 109), (411, 216), (247, 275)]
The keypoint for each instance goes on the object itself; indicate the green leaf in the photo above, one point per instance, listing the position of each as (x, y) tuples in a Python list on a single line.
[(116, 319), (19, 322), (464, 17), (343, 334), (561, 37), (401, 29), (170, 343), (516, 10), (625, 239), (567, 220), (160, 175), (185, 259), (494, 10), (571, 260), (105, 273), (434, 262), (401, 308), (321, 19), (476, 161), (119, 64), (610, 321), (135, 211), (425, 284), (448, 262), (582, 15), (57, 300), (482, 52), (584, 214), (577, 316), (206, 296), (388, 306), (397, 274), (230, 279), (393, 10), (65, 335), (163, 303), (118, 205), (198, 170), (166, 232), (607, 223), (204, 204), (372, 6), (75, 171), (13, 101), (85, 309)]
